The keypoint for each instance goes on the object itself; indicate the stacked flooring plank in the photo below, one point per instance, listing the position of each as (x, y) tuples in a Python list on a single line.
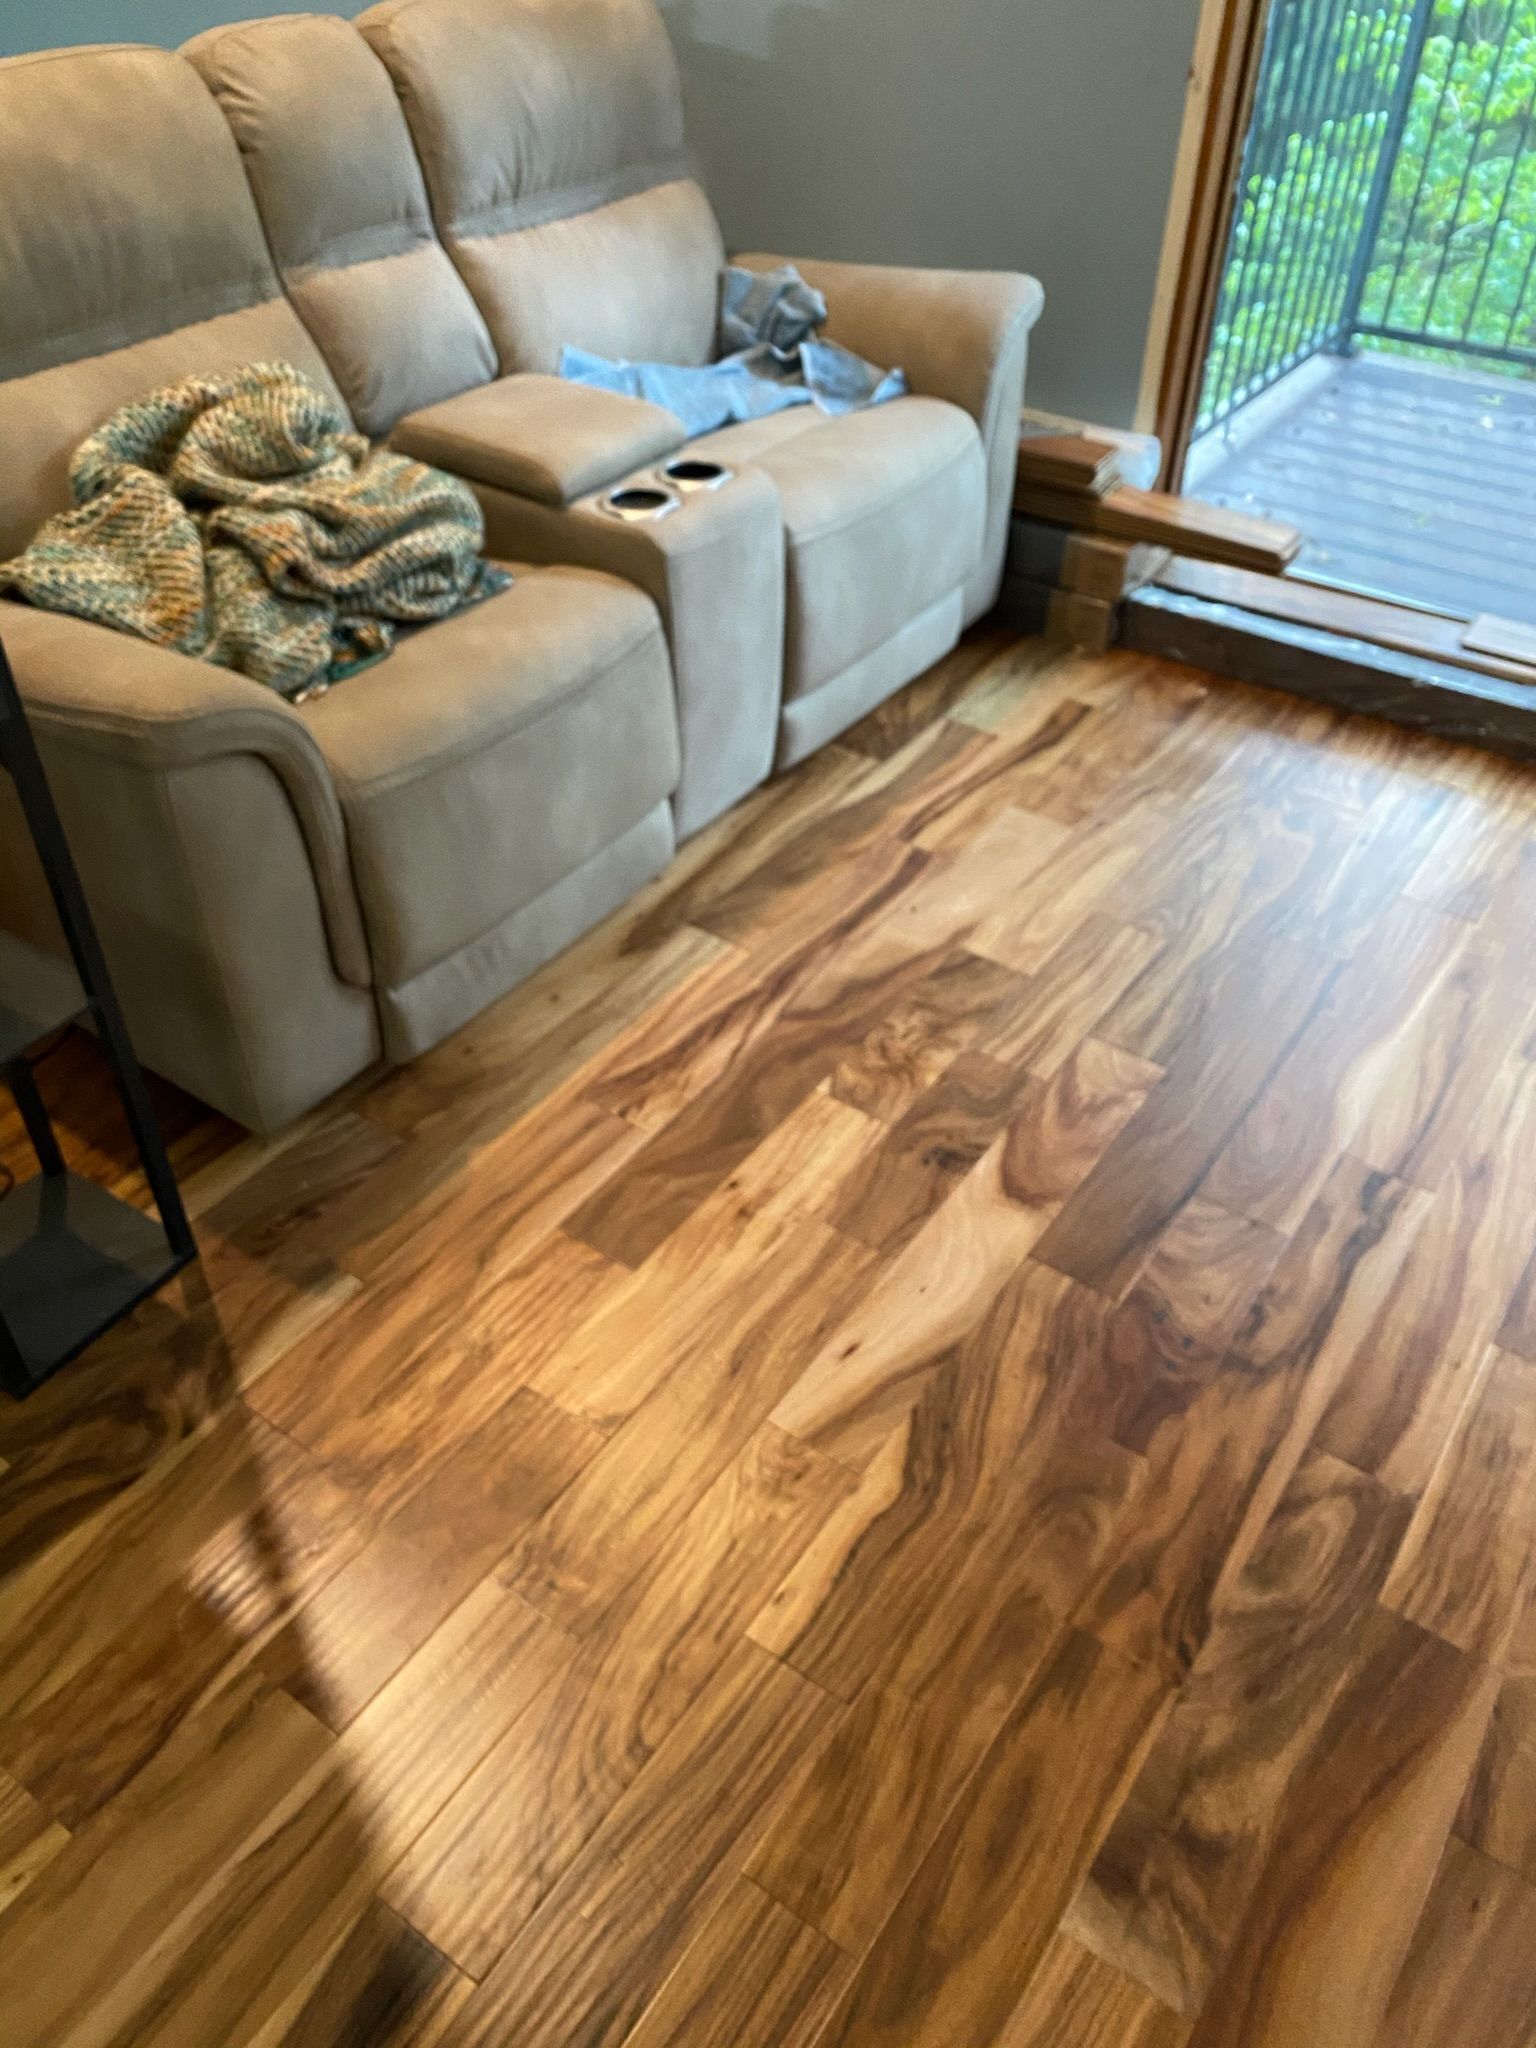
[(1082, 540), (1061, 579), (927, 1440)]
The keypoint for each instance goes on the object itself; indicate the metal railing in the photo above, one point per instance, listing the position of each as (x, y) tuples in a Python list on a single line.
[(1388, 192)]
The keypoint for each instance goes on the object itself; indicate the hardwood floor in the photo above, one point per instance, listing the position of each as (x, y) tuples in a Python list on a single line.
[(928, 1442)]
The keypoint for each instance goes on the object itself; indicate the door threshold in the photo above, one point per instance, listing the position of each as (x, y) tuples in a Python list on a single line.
[(1304, 600), (1427, 691)]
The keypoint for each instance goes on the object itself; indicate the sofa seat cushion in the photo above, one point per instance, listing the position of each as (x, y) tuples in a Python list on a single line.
[(883, 517), (493, 754)]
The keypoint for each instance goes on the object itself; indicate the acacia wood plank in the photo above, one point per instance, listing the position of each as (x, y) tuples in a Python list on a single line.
[(1355, 1848), (582, 1555), (1403, 819), (738, 845), (215, 1547), (932, 770), (756, 1977), (975, 790), (1221, 1464), (516, 1824), (716, 1285), (1348, 1057), (914, 1044), (1243, 865), (1033, 673), (893, 724), (1463, 873), (1470, 1976), (1391, 1414), (363, 1624), (524, 1048), (1171, 1335), (1041, 732), (860, 1385), (445, 1209), (1125, 738), (1204, 532), (1261, 998), (973, 1925), (516, 1053), (1167, 1892), (1498, 1815), (138, 1867), (683, 1163), (959, 889), (1066, 1001), (879, 1556), (383, 1985), (261, 1286), (610, 1935), (398, 1400), (898, 1184), (679, 1046), (307, 1873), (841, 1853), (29, 1840), (1467, 1568), (1084, 876), (971, 1639), (1077, 2001), (1448, 1058)]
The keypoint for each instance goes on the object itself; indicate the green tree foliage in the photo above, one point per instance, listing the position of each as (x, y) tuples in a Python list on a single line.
[(1454, 248)]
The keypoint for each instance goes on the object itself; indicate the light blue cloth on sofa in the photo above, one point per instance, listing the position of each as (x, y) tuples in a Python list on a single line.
[(769, 322)]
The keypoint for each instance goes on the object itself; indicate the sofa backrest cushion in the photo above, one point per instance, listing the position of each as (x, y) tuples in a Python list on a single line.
[(130, 254), (344, 204), (551, 134)]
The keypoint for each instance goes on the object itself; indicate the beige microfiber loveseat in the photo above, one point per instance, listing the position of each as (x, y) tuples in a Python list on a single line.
[(419, 209)]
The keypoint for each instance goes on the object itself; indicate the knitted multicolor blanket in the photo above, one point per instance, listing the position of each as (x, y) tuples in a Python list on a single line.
[(240, 519)]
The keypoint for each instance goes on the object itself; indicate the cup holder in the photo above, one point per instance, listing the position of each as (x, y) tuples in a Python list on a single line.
[(695, 473), (637, 503)]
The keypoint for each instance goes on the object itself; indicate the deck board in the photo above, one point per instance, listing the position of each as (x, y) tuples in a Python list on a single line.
[(1409, 482)]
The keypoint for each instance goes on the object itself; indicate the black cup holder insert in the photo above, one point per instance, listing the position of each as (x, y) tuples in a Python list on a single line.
[(695, 473), (639, 502)]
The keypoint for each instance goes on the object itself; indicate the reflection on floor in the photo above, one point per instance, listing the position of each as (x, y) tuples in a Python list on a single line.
[(1410, 481)]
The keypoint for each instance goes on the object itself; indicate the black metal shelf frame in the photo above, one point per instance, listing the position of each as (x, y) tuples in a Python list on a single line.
[(73, 1258)]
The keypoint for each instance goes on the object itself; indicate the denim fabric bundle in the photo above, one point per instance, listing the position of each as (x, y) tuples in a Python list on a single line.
[(769, 326)]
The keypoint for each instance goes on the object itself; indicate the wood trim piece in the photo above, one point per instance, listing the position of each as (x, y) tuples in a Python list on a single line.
[(1193, 128), (1501, 639), (1224, 76), (1186, 525), (1429, 634)]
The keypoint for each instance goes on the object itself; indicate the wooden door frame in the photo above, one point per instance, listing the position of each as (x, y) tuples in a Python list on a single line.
[(1223, 79)]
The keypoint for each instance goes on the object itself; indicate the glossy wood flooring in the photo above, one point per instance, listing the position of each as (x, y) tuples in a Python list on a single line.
[(929, 1442)]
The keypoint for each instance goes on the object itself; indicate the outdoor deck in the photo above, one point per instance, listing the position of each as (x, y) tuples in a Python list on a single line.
[(1409, 481)]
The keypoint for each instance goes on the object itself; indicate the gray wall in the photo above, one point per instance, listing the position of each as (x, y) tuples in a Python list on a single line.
[(50, 24), (1011, 134)]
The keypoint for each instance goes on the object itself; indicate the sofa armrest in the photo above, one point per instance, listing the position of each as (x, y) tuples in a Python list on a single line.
[(142, 711), (960, 335), (541, 437)]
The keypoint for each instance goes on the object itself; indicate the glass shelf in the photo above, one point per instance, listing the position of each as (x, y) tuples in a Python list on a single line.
[(73, 1260)]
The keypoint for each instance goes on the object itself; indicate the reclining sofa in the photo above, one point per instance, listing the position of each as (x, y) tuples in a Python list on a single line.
[(419, 208)]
